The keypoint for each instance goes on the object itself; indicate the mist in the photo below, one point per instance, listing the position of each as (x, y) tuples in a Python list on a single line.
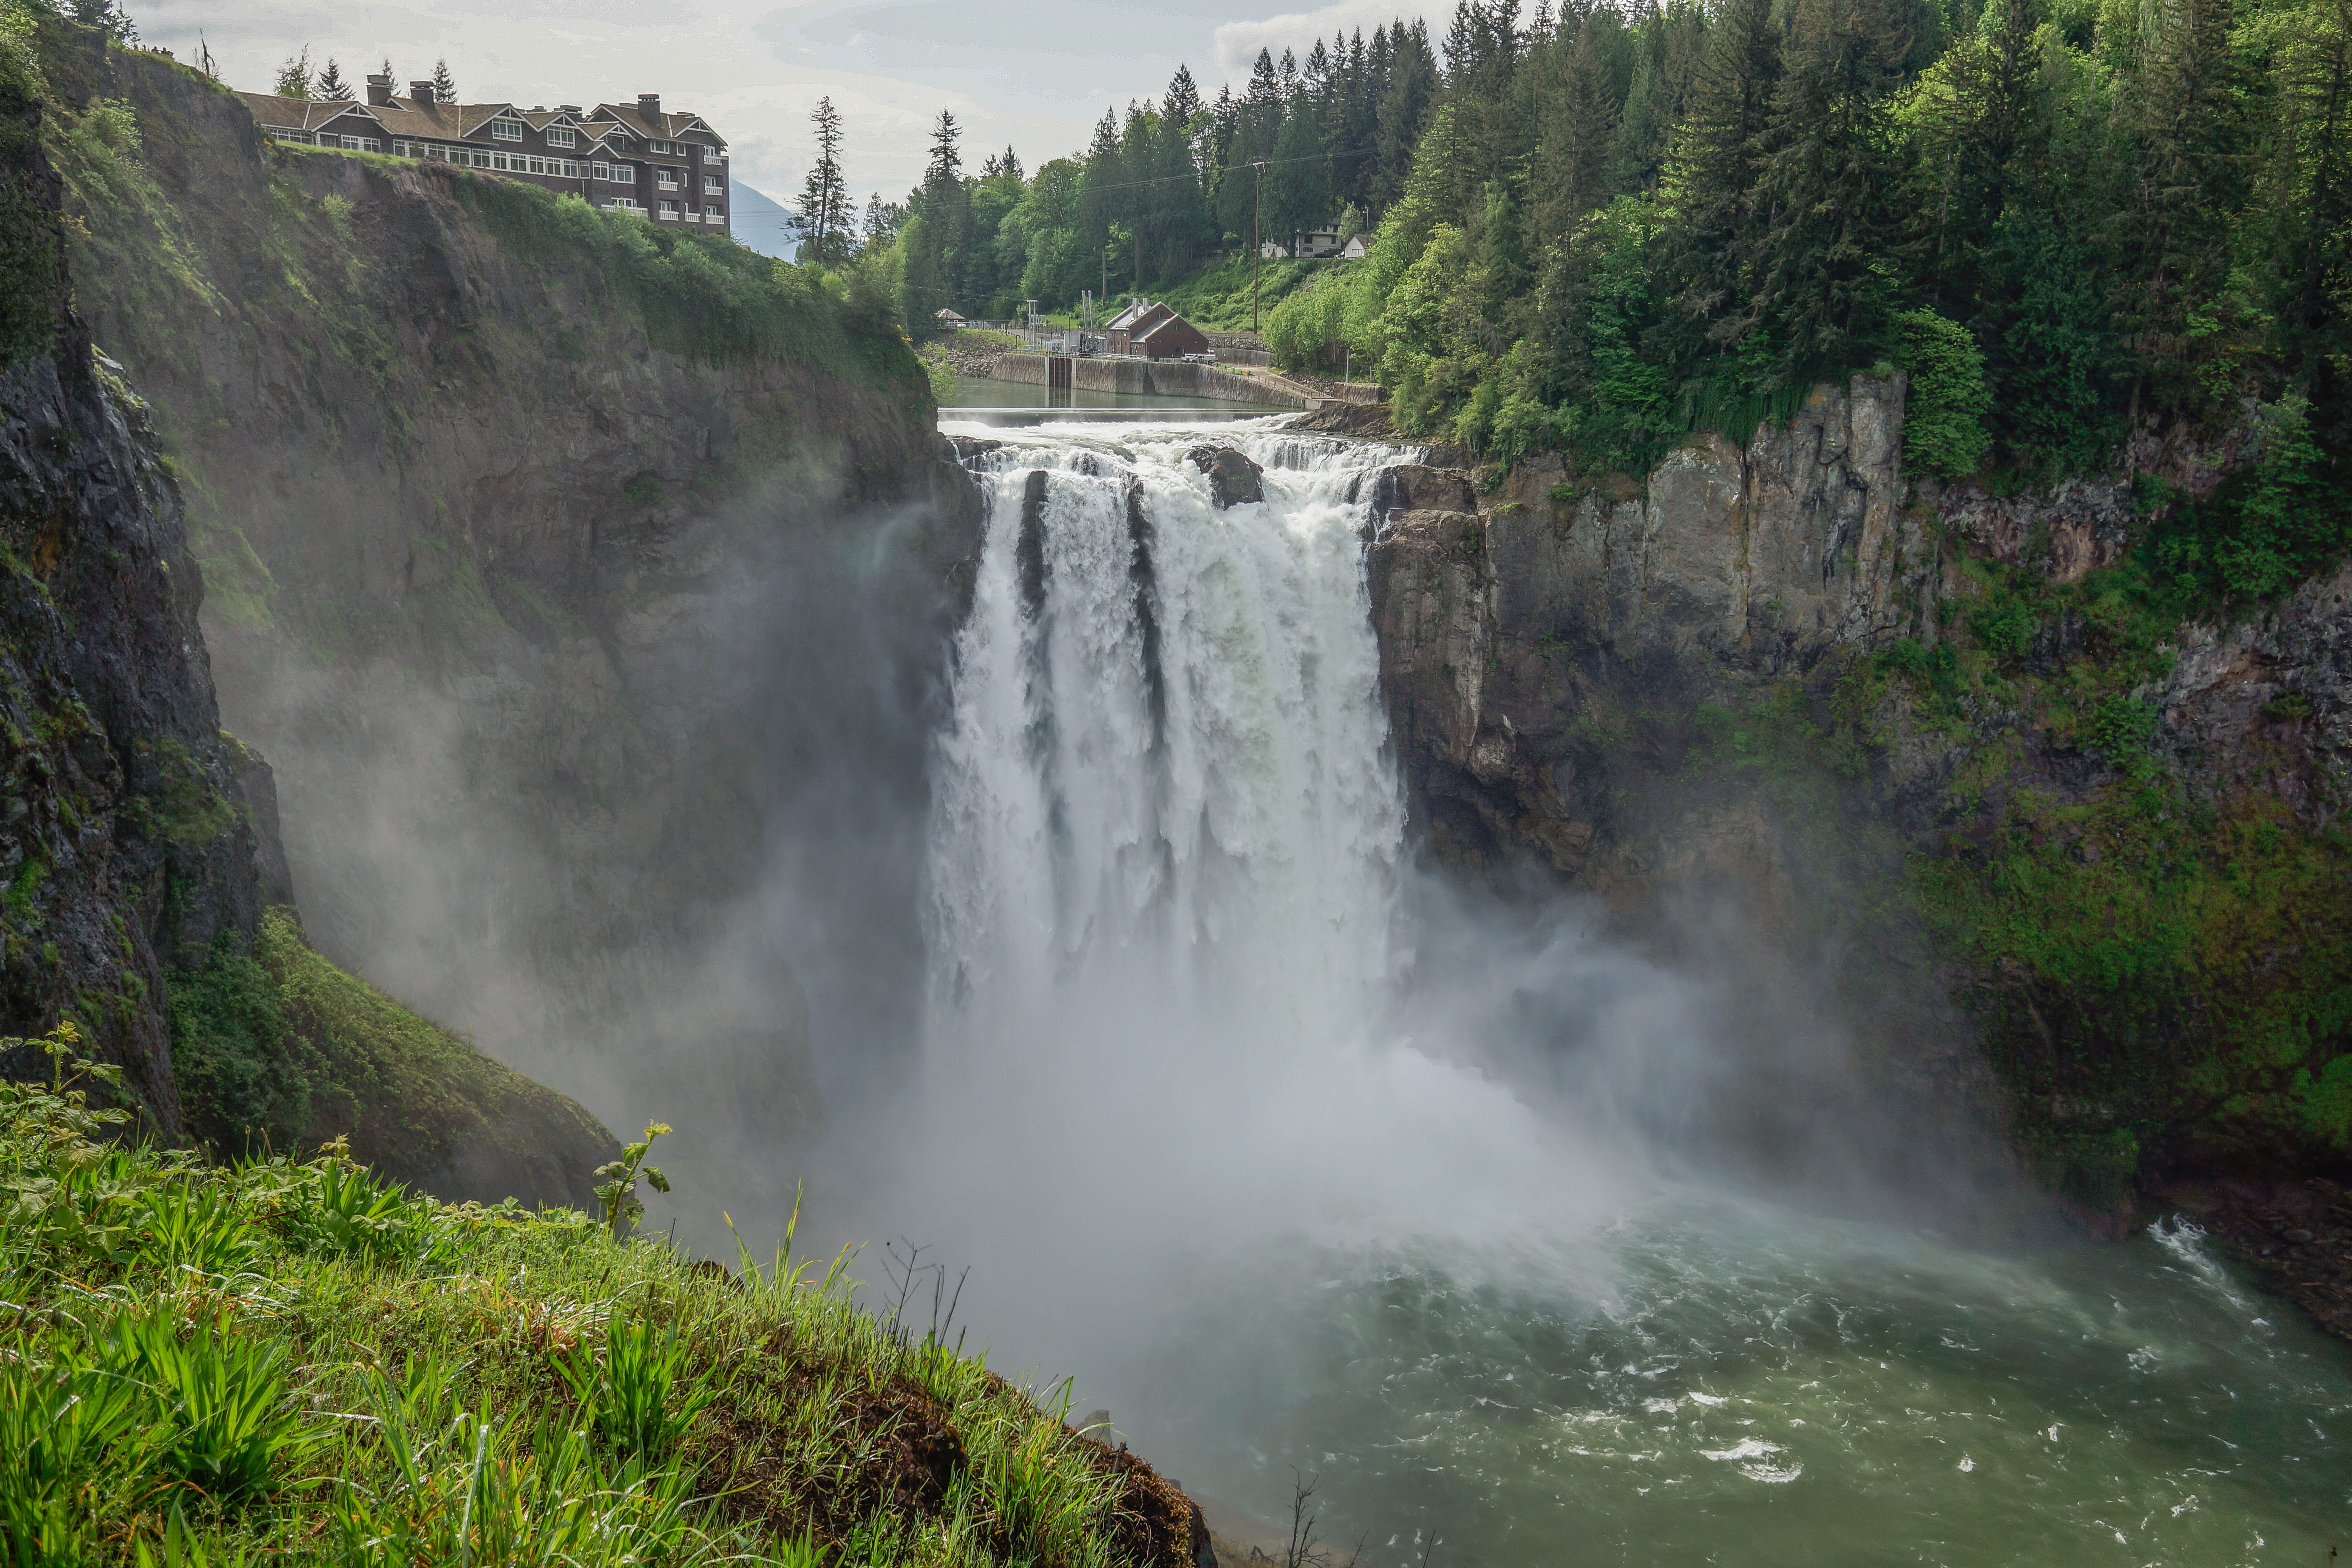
[(1059, 920)]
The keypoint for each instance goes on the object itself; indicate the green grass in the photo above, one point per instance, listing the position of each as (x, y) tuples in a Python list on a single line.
[(284, 1360), (1217, 298), (278, 1048)]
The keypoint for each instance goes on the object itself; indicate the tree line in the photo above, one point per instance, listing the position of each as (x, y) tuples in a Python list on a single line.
[(1155, 191), (2065, 217), (1601, 228)]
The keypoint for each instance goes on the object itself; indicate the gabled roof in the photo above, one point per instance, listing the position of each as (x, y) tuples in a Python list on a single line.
[(302, 113), (1133, 315), (1146, 333), (406, 117), (662, 127)]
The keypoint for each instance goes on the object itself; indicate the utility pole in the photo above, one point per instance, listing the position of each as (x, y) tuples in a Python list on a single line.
[(1106, 271), (1257, 257)]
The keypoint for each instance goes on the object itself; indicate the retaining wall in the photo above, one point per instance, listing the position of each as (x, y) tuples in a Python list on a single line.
[(1152, 378)]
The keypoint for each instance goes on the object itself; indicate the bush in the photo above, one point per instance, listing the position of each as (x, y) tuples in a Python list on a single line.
[(240, 1071), (1943, 417), (2278, 520)]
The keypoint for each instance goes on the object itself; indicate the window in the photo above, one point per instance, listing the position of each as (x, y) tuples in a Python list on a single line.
[(402, 148), (712, 182), (713, 212), (362, 145), (560, 136), (669, 209), (624, 204), (505, 129)]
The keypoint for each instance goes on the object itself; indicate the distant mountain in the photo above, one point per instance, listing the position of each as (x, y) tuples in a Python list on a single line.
[(764, 225)]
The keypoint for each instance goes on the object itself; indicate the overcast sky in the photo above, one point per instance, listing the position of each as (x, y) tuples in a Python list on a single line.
[(1035, 74)]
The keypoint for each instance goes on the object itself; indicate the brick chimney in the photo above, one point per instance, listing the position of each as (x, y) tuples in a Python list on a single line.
[(421, 92), (379, 90), (650, 109)]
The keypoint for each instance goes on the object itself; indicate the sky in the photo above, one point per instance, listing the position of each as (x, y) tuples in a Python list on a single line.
[(1032, 74)]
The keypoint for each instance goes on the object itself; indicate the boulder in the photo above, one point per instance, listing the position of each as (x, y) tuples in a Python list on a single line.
[(1233, 478)]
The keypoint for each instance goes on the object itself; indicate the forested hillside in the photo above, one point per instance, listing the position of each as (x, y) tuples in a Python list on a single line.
[(1601, 230)]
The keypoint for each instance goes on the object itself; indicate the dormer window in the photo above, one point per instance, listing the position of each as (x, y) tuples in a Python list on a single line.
[(561, 136), (505, 129)]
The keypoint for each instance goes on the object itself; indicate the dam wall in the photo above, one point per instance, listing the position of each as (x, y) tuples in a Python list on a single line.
[(1153, 378)]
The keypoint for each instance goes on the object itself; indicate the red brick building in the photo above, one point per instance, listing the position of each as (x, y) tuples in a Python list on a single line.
[(671, 168), (1146, 330)]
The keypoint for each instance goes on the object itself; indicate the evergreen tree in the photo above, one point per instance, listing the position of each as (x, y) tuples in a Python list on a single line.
[(1580, 123), (1975, 114), (2190, 168), (107, 16), (331, 86), (444, 86), (1298, 196), (1402, 114), (936, 231), (2314, 187), (1180, 216), (1715, 173), (824, 204), (294, 76), (1823, 293), (1102, 195)]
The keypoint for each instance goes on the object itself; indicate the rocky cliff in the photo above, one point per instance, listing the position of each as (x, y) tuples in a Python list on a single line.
[(146, 885), (2026, 839), (584, 582), (126, 840)]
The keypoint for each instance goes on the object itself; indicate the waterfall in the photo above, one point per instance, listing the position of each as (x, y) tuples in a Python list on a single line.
[(1166, 925), (1166, 790)]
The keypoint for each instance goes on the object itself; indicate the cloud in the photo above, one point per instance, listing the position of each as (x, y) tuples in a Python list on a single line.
[(1237, 43)]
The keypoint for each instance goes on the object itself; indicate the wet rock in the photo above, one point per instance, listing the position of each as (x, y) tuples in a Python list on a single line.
[(2295, 1237), (1233, 478), (1414, 486)]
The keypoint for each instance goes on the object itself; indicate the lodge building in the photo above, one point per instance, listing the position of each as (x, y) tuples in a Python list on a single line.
[(671, 168)]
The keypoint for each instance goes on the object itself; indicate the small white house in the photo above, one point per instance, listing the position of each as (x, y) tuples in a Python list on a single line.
[(1317, 243), (1356, 250), (1274, 252)]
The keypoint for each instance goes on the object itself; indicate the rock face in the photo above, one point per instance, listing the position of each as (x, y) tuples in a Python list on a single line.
[(1503, 625), (126, 843), (594, 624), (1712, 699), (139, 839)]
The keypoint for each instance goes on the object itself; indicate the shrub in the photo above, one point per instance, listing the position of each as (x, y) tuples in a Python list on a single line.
[(1943, 417), (220, 1397), (2279, 520), (239, 1068), (340, 1209), (627, 1393)]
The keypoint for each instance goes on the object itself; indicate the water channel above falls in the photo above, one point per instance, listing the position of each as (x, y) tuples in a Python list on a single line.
[(1203, 1122), (979, 400)]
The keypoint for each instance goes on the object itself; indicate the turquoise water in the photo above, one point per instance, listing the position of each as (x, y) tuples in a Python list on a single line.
[(1710, 1380)]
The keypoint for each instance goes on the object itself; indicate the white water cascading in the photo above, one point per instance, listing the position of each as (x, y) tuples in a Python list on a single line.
[(1165, 866), (1191, 1105)]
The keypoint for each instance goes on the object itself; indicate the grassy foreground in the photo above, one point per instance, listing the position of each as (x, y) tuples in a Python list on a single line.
[(288, 1360)]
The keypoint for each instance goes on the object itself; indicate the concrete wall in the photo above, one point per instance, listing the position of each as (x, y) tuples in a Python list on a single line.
[(1152, 378)]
